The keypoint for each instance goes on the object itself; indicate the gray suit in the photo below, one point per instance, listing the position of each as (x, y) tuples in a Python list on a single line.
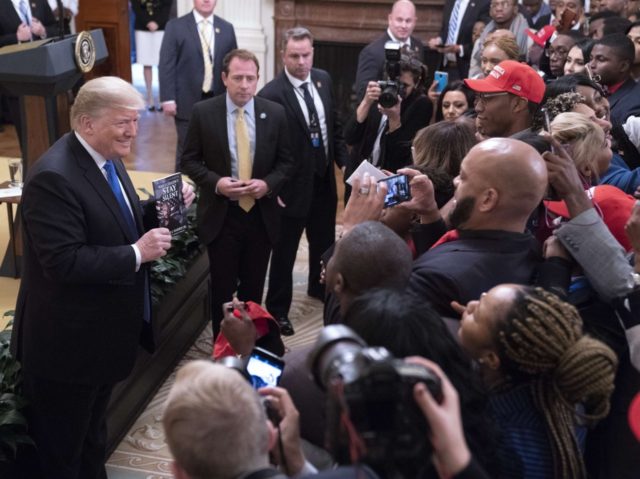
[(181, 68)]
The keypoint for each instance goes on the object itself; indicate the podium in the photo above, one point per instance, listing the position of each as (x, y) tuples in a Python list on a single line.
[(40, 73)]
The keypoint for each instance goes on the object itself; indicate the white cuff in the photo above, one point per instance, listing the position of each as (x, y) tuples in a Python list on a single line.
[(136, 250)]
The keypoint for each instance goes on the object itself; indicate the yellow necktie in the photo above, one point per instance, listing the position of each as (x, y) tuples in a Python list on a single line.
[(244, 158), (206, 55)]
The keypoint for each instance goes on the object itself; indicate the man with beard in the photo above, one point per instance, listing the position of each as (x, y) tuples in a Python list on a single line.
[(501, 182), (507, 99)]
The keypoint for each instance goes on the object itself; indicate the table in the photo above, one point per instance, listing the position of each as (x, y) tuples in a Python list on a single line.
[(11, 262)]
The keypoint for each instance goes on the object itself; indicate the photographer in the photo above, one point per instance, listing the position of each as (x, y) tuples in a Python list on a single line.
[(383, 135)]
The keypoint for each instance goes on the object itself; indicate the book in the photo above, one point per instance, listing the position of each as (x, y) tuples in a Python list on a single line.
[(170, 207)]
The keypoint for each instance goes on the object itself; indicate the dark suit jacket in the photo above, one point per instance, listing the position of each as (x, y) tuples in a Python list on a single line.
[(625, 102), (298, 191), (463, 269), (371, 62), (181, 68), (206, 159), (80, 305), (476, 10), (10, 20), (415, 113)]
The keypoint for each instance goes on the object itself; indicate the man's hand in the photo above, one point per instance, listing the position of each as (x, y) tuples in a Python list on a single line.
[(282, 403), (432, 93), (188, 194), (37, 28), (632, 229), (423, 200), (257, 188), (154, 244), (23, 34), (240, 332), (152, 26), (564, 178), (365, 203), (372, 93), (553, 248), (169, 108), (232, 188), (434, 43), (450, 451), (450, 49)]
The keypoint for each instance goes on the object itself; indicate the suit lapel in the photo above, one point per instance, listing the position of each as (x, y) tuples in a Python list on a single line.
[(292, 101), (192, 27), (220, 118), (262, 123), (217, 42), (99, 183), (130, 191)]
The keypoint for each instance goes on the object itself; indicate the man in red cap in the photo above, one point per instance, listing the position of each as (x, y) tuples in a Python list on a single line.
[(507, 99)]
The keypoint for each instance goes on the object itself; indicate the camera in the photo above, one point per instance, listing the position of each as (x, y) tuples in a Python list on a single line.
[(391, 88), (370, 403)]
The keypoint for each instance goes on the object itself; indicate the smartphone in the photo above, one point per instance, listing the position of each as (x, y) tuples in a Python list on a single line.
[(398, 190), (442, 78), (265, 368)]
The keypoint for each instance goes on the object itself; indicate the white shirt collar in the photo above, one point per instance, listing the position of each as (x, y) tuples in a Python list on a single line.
[(97, 157), (199, 17), (407, 42), (249, 108), (296, 82)]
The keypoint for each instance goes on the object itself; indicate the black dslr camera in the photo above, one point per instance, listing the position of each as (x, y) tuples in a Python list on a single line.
[(391, 88), (370, 403)]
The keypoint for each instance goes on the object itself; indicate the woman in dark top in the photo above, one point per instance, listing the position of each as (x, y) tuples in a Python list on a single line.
[(384, 135), (151, 18)]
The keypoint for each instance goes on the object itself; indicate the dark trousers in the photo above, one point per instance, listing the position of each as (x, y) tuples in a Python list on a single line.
[(320, 225), (238, 260), (181, 129), (68, 424)]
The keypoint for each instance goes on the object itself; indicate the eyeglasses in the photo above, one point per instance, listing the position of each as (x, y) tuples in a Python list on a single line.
[(562, 52), (485, 97)]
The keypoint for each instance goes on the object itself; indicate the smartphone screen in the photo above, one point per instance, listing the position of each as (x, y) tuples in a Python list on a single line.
[(398, 190), (442, 78), (265, 368)]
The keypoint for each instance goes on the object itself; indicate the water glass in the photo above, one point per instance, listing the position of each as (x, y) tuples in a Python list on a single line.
[(15, 172)]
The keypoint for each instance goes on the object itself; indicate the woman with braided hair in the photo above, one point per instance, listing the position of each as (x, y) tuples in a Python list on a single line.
[(546, 378)]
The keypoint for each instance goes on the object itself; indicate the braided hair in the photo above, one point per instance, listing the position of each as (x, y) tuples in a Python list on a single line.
[(541, 342)]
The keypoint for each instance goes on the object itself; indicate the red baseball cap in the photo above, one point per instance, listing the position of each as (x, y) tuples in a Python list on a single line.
[(512, 77), (542, 35), (614, 206)]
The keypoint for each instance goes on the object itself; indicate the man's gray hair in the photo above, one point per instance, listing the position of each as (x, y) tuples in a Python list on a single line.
[(296, 34), (103, 93), (214, 422)]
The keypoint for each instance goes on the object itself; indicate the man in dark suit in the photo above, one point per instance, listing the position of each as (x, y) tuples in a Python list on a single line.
[(310, 195), (191, 55), (402, 21), (237, 152), (84, 301), (454, 44), (24, 21), (611, 58)]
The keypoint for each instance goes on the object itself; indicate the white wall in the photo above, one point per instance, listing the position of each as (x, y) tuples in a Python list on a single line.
[(254, 26)]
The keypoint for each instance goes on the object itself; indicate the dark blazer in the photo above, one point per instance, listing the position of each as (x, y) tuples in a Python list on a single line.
[(206, 159), (159, 13), (181, 68), (415, 113), (476, 10), (371, 62), (298, 191), (79, 313), (625, 102), (10, 20), (463, 269)]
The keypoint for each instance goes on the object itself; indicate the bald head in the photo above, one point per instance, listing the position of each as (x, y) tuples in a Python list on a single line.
[(402, 19), (506, 179)]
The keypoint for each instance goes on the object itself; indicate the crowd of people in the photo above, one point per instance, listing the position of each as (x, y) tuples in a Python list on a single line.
[(507, 287)]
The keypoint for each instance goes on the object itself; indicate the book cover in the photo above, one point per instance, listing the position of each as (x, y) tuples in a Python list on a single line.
[(170, 207)]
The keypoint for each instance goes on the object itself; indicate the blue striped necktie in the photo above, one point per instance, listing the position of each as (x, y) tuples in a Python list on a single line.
[(112, 178), (453, 23), (24, 12)]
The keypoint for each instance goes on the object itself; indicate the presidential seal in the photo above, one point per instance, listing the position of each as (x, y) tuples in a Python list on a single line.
[(85, 51)]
